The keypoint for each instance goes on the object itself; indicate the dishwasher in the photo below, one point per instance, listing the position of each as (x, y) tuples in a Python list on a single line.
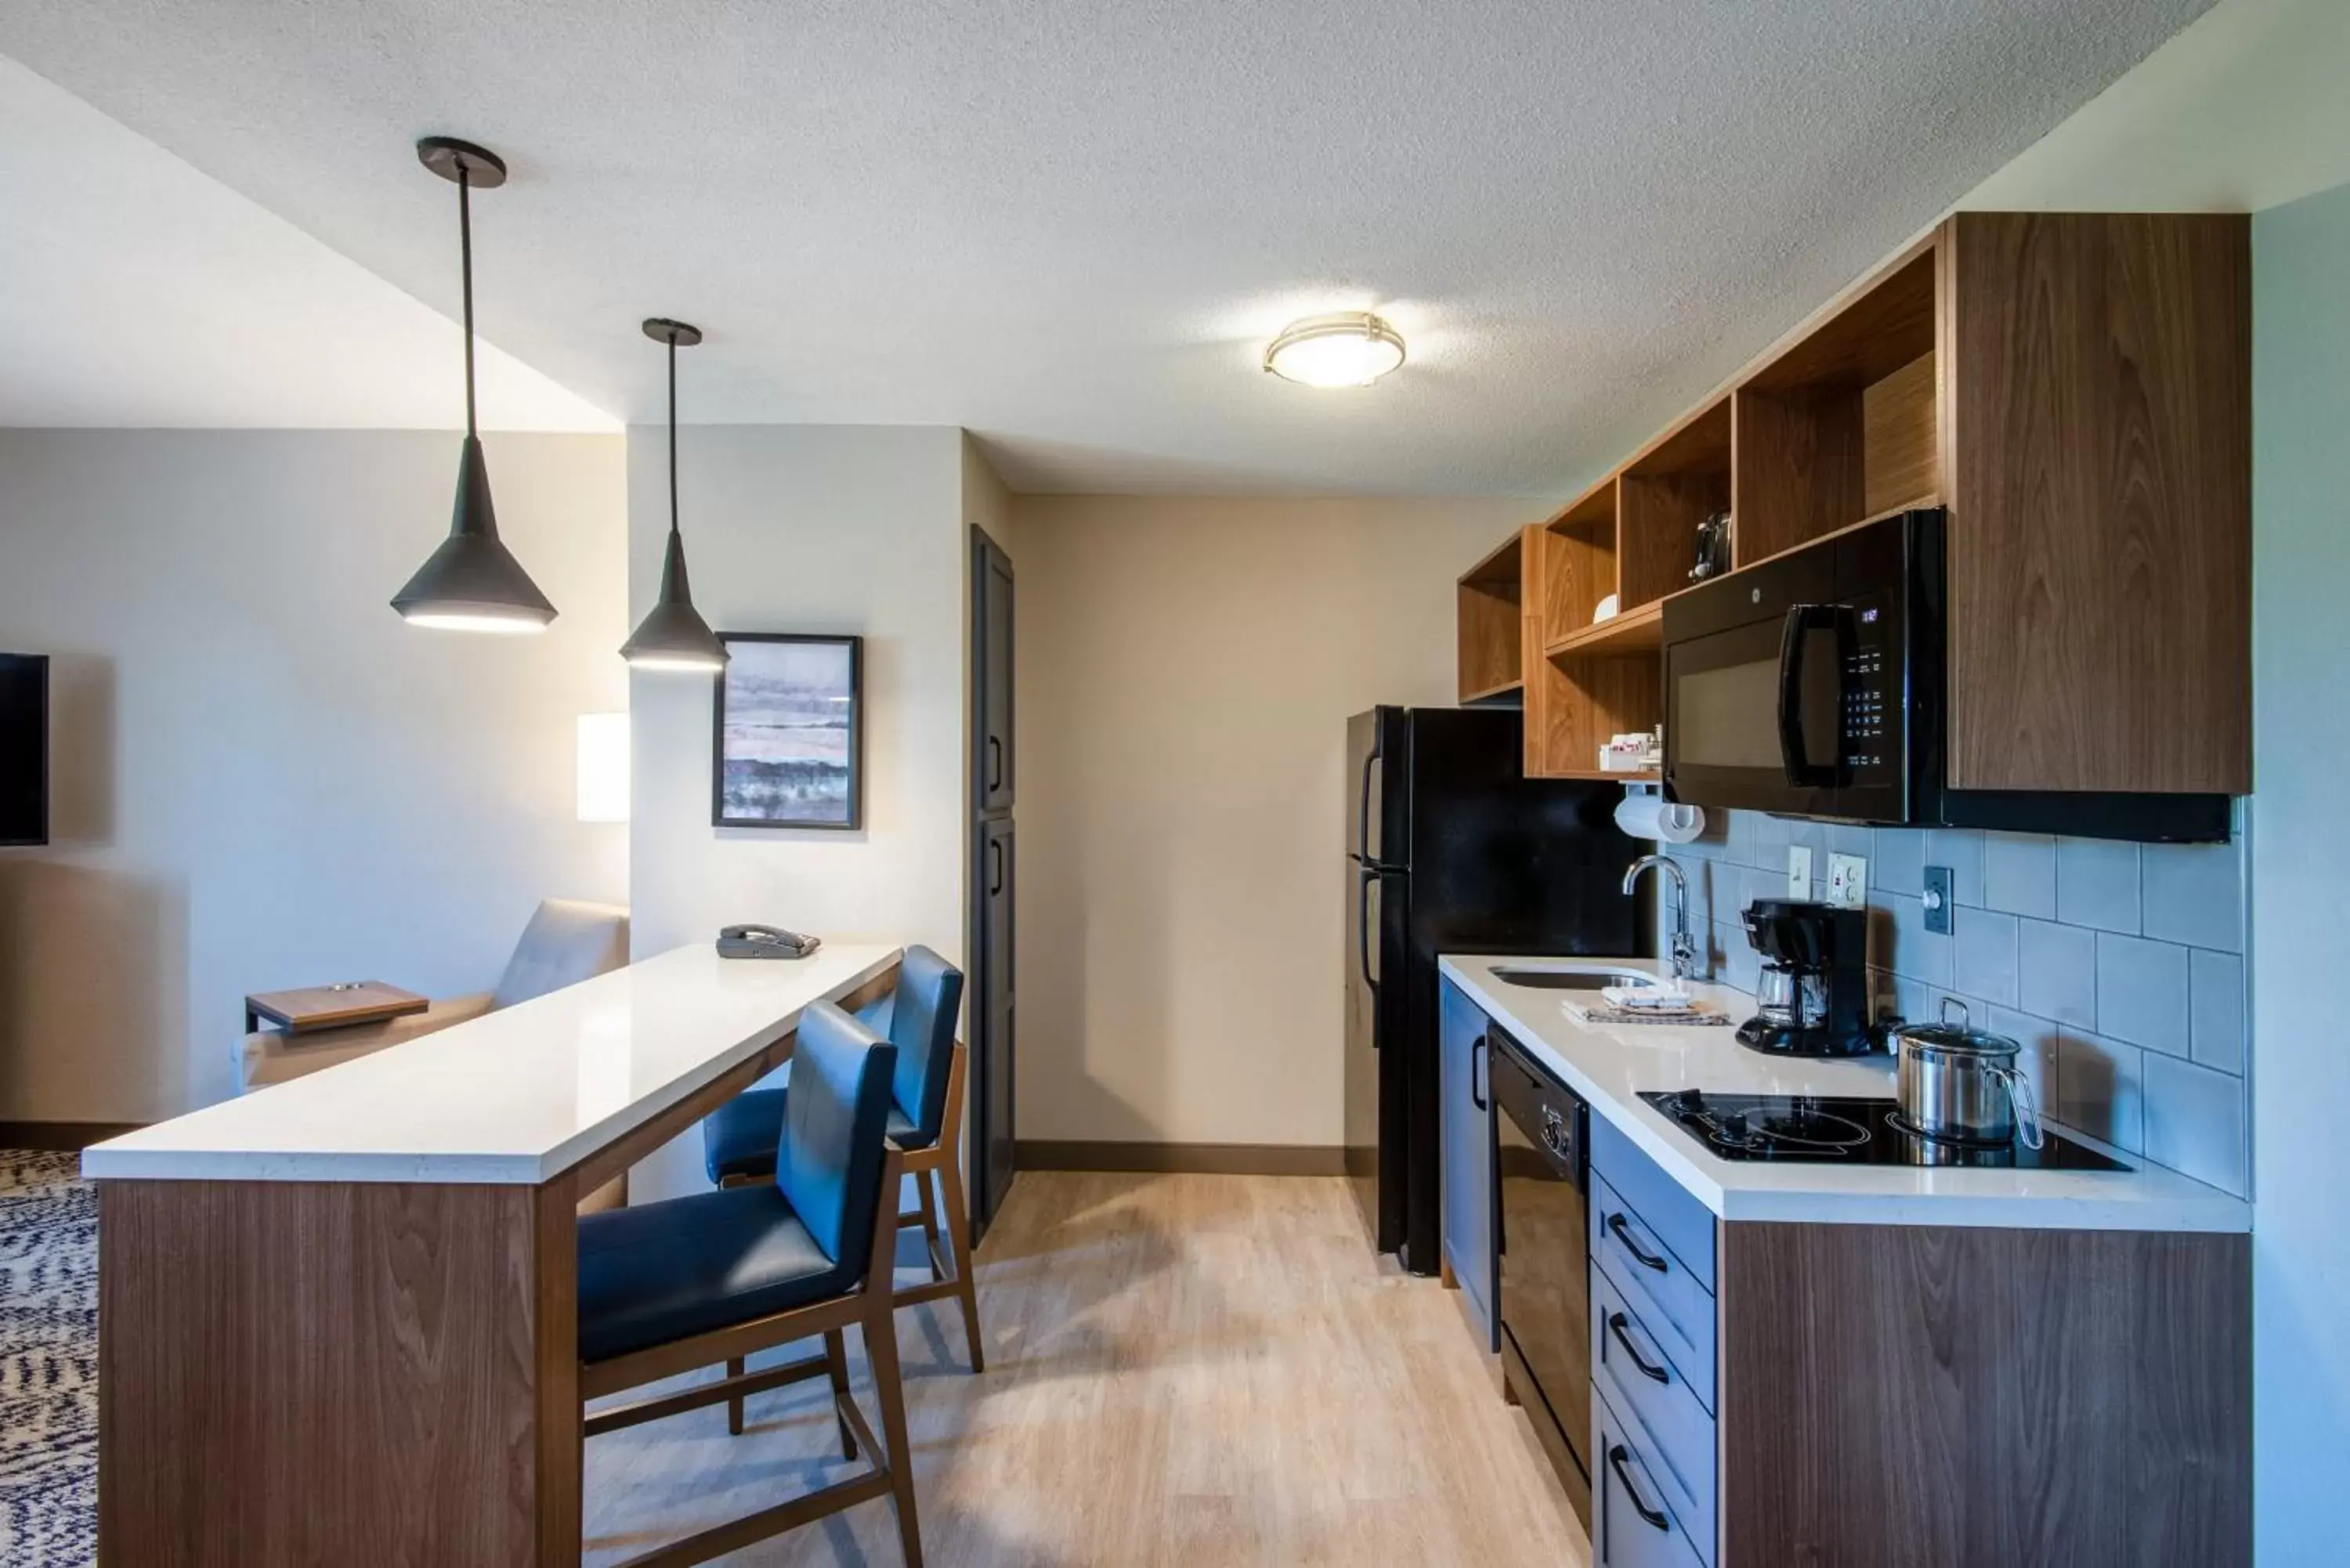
[(1545, 1296)]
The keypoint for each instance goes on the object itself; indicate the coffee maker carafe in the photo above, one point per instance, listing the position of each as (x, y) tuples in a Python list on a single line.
[(1811, 997)]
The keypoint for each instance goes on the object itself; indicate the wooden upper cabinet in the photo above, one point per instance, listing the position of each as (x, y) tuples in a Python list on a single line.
[(2074, 387), (2097, 440)]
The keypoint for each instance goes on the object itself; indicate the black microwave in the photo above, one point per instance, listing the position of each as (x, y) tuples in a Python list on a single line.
[(1811, 684)]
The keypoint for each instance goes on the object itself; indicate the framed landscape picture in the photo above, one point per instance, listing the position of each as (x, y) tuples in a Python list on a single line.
[(790, 721)]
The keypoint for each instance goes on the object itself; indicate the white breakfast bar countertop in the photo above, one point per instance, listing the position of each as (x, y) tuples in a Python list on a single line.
[(1611, 1067), (517, 1095)]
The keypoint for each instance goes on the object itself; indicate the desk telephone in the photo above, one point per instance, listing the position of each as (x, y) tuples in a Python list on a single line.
[(764, 942)]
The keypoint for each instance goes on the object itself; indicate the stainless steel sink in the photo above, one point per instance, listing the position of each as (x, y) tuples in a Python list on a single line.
[(1570, 979)]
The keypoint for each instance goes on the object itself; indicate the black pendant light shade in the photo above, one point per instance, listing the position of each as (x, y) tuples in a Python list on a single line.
[(673, 636), (471, 583)]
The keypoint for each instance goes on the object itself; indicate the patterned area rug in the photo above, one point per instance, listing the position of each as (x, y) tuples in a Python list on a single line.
[(48, 1361)]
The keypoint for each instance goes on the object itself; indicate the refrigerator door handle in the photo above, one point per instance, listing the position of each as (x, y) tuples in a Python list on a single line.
[(1363, 822), (1364, 877)]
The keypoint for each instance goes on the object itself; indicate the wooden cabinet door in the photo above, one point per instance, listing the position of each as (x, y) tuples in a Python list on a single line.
[(1466, 1139), (2098, 441)]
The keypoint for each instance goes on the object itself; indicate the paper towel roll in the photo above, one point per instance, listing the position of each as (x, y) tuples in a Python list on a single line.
[(1649, 816)]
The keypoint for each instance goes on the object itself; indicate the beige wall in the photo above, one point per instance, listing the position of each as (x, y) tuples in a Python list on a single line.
[(1186, 668), (261, 778), (820, 529)]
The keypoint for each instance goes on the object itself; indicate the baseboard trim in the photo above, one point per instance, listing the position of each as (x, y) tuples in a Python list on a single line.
[(1193, 1158), (61, 1136)]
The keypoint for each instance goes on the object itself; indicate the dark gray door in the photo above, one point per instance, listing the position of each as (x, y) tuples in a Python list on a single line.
[(989, 994), (993, 1152), (992, 681)]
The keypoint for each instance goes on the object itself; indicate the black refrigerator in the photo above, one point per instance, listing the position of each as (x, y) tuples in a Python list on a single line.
[(1449, 848)]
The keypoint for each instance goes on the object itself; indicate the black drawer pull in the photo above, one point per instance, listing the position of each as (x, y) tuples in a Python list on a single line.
[(1616, 1458), (1640, 1255), (1616, 1324)]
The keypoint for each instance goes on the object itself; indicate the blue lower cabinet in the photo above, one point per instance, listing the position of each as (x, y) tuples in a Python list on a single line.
[(1635, 1374), (1633, 1522), (1661, 1290), (1465, 1118)]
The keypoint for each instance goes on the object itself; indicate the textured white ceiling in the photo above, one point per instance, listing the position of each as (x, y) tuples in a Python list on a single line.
[(2243, 109), (1071, 228), (139, 292)]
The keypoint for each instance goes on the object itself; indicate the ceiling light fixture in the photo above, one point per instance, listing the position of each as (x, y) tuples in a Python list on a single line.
[(1352, 348), (673, 636), (471, 583)]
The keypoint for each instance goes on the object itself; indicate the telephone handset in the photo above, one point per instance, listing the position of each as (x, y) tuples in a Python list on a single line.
[(764, 941)]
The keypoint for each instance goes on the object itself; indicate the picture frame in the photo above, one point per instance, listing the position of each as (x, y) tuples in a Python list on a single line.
[(787, 732)]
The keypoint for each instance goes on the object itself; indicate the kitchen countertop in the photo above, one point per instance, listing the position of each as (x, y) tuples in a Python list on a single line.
[(517, 1096), (1611, 1067)]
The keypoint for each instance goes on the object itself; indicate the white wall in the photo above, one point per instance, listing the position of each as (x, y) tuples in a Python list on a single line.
[(1186, 669), (262, 777), (819, 529), (2301, 878)]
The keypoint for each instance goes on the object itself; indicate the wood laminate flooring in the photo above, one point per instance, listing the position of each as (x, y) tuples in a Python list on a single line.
[(1181, 1370)]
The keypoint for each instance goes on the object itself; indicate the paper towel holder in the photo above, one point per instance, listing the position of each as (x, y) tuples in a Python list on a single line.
[(1644, 805)]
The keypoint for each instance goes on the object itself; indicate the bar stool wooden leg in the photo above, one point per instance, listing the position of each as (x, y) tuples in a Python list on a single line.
[(734, 1404), (929, 1221), (881, 1349), (836, 1354), (966, 1288)]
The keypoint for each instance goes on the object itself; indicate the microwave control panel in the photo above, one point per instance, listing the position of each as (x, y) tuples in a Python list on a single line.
[(1872, 685)]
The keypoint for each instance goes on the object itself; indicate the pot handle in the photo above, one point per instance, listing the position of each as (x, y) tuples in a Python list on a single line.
[(2027, 1109)]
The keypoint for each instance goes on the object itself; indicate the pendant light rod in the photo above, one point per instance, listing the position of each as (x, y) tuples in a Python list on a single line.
[(673, 433), (465, 253)]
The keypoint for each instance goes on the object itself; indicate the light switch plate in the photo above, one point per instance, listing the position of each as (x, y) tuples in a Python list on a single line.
[(1847, 881), (1799, 870)]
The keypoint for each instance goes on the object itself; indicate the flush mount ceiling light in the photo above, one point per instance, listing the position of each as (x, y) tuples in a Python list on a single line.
[(1352, 348), (673, 636), (471, 583)]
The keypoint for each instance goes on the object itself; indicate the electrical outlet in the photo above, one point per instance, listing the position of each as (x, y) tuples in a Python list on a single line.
[(1799, 870), (1847, 881), (1937, 898)]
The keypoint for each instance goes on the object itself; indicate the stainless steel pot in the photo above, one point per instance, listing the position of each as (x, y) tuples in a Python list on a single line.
[(1960, 1085)]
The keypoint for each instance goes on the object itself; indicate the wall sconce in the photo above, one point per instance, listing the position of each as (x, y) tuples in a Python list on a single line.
[(603, 767)]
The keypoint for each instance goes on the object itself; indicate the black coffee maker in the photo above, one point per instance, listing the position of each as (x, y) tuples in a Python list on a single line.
[(1811, 997)]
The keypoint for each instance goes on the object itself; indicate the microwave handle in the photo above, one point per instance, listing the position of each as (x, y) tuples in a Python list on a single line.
[(1802, 619)]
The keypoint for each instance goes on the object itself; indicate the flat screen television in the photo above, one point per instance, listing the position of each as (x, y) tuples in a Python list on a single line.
[(24, 748)]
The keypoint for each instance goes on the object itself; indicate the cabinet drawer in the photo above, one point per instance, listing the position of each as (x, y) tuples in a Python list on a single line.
[(1631, 1369), (1661, 1292), (1632, 1523), (1661, 1204)]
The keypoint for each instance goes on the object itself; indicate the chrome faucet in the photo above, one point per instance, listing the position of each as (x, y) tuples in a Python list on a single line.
[(1684, 950)]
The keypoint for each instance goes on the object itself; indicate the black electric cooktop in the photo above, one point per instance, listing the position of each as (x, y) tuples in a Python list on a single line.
[(1846, 1130)]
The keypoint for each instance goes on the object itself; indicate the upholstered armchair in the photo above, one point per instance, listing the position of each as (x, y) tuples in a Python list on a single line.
[(566, 943)]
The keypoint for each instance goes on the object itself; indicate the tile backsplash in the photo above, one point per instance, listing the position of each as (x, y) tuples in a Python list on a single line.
[(2119, 967)]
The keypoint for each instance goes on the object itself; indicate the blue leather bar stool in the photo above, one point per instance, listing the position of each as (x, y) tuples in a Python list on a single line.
[(665, 1288), (738, 1140)]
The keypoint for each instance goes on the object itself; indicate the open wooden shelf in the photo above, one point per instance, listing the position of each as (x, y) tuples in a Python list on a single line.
[(1633, 631), (1579, 567), (1491, 624), (1493, 693), (1662, 495), (1842, 424)]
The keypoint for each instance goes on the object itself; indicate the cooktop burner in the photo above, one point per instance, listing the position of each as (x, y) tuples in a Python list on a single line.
[(1848, 1130)]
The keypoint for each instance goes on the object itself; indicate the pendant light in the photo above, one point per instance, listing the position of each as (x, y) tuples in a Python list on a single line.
[(673, 636), (471, 583)]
